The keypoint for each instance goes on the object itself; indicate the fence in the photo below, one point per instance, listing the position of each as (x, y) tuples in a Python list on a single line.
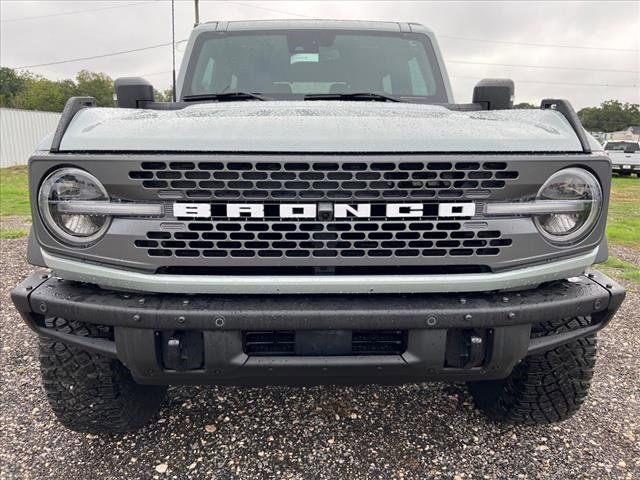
[(21, 131)]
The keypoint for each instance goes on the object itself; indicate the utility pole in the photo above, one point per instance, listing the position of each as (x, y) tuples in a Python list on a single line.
[(173, 46), (197, 13)]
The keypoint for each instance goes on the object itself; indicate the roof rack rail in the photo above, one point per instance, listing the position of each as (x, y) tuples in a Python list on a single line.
[(564, 107), (73, 106)]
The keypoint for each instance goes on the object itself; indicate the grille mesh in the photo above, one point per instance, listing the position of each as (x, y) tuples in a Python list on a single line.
[(363, 342), (290, 180), (346, 239)]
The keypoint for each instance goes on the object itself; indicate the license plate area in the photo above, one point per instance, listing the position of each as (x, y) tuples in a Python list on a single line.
[(303, 343)]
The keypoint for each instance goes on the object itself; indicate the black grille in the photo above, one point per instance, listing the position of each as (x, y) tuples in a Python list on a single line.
[(269, 342), (352, 180), (378, 342), (363, 342), (338, 239)]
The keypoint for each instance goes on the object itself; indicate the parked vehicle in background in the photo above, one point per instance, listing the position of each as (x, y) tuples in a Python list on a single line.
[(625, 156), (315, 208)]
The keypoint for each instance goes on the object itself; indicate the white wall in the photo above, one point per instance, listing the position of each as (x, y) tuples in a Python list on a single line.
[(20, 133)]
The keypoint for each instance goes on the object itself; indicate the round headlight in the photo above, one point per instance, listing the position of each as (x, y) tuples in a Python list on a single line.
[(70, 184), (583, 190)]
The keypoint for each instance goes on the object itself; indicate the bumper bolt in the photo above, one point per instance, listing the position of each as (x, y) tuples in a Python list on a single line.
[(468, 317), (219, 321), (598, 304), (590, 275), (511, 315), (185, 302), (431, 321), (42, 307), (609, 286), (181, 319), (505, 299), (28, 287), (136, 318), (463, 301), (141, 300)]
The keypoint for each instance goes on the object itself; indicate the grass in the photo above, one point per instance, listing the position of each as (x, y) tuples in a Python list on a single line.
[(14, 200), (11, 233), (621, 269), (14, 192), (623, 223)]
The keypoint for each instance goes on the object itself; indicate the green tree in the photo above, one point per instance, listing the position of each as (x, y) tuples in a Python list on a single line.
[(523, 105), (97, 85), (42, 94), (610, 116), (11, 83), (163, 95)]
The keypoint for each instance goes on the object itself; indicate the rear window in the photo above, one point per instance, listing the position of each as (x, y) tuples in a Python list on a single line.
[(293, 63), (623, 146)]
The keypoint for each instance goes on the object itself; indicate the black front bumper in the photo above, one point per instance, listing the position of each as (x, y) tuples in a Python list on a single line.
[(440, 331)]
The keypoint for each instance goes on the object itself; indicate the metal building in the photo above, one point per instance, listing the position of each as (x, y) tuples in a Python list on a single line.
[(20, 133)]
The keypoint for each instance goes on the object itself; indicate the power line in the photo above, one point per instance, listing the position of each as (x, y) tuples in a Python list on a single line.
[(267, 9), (96, 56), (550, 67), (558, 83), (529, 44), (75, 12)]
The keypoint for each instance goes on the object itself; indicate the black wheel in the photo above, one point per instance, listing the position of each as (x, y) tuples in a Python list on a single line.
[(90, 392), (544, 388)]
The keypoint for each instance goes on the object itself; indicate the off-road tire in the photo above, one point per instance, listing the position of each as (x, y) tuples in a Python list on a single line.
[(90, 392), (544, 388)]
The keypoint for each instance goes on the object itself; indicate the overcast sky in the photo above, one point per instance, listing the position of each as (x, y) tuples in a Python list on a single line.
[(603, 36)]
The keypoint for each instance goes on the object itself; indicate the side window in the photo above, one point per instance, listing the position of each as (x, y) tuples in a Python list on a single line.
[(418, 85)]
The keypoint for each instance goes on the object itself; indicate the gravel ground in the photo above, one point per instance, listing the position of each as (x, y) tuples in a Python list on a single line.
[(413, 431)]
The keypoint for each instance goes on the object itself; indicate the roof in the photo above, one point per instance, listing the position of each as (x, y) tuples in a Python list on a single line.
[(312, 24)]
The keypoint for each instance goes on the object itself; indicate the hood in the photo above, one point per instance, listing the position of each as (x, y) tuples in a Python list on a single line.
[(332, 126)]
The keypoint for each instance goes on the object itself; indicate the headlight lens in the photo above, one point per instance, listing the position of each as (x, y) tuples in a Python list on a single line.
[(570, 184), (72, 184)]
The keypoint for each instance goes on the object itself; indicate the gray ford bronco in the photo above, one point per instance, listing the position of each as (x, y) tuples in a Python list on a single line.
[(315, 208)]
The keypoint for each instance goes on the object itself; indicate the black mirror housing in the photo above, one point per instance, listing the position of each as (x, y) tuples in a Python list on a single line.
[(494, 93), (130, 91)]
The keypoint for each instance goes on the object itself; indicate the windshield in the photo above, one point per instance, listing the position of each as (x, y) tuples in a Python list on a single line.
[(291, 64), (623, 146)]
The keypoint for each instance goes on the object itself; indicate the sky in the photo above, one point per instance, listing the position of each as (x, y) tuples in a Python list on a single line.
[(587, 52)]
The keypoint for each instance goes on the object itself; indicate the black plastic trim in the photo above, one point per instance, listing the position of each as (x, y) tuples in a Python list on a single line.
[(137, 319), (73, 106), (565, 108)]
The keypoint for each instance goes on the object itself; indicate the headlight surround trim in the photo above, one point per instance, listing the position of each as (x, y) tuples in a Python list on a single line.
[(586, 224), (53, 225)]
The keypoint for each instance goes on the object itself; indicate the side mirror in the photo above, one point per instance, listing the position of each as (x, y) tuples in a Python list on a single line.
[(130, 91), (494, 93)]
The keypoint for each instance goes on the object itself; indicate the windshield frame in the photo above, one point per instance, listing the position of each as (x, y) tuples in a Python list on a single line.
[(440, 96)]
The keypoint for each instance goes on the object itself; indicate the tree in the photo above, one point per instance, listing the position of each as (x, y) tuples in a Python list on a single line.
[(610, 116), (163, 95), (524, 105), (33, 92), (42, 94), (97, 85), (11, 83)]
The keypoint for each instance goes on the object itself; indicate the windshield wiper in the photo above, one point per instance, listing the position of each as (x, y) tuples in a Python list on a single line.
[(358, 96), (226, 96)]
